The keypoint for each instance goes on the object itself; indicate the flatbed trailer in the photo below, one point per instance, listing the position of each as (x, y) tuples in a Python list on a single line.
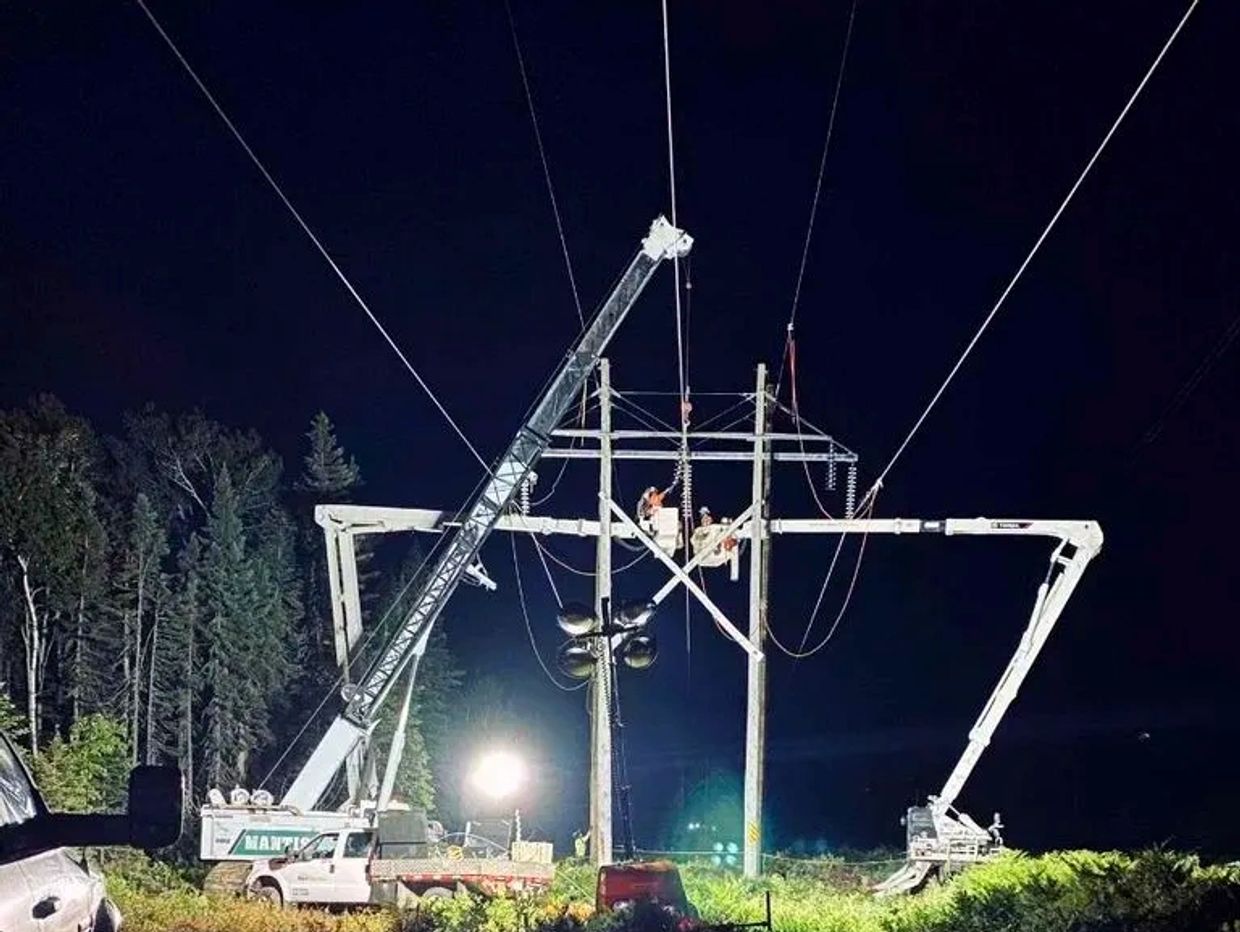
[(490, 876)]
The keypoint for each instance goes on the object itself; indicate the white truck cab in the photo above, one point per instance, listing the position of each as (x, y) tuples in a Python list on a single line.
[(329, 869), (343, 868)]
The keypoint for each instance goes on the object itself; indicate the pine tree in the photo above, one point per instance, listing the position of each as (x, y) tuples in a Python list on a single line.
[(230, 596), (177, 678), (141, 592), (329, 476), (423, 765), (47, 463), (328, 472)]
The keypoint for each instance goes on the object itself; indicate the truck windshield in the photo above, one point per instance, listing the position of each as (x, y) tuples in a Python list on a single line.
[(357, 845), (17, 801), (322, 847)]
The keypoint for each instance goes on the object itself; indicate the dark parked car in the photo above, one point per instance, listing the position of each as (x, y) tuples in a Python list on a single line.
[(45, 889)]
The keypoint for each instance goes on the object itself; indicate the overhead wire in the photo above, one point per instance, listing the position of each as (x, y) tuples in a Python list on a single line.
[(542, 155), (529, 628), (1191, 384), (813, 210), (547, 552), (681, 359), (671, 174), (334, 688), (801, 653), (232, 128), (745, 400), (641, 414), (791, 356), (1020, 271)]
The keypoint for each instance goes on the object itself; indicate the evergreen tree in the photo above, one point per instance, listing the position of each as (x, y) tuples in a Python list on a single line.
[(328, 472), (47, 520), (141, 594), (231, 670), (329, 476), (177, 679), (422, 771), (89, 772), (12, 722)]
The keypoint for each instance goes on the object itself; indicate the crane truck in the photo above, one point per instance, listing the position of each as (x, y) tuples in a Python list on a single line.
[(247, 827)]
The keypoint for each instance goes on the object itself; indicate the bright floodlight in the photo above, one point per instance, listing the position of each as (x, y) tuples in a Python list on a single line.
[(498, 774)]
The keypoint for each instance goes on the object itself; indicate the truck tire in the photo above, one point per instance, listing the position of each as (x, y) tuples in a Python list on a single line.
[(267, 893), (438, 893), (226, 878), (107, 918), (403, 896)]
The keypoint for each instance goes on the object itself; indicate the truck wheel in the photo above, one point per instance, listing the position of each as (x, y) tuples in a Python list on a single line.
[(438, 893), (267, 893), (108, 917), (401, 895)]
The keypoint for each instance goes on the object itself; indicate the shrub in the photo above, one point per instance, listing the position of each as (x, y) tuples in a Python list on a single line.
[(1072, 891), (90, 771)]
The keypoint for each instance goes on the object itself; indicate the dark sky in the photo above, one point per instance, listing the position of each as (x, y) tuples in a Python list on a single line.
[(142, 258)]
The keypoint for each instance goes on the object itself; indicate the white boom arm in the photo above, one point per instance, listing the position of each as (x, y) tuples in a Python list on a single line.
[(1085, 538), (458, 550), (939, 836)]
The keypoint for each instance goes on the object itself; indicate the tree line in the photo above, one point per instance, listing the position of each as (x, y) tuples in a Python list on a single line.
[(164, 590)]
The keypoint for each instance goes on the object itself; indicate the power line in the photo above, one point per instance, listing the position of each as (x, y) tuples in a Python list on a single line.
[(822, 165), (801, 653), (542, 154), (1192, 382), (671, 176), (813, 210), (310, 233), (529, 628), (1032, 252), (334, 688)]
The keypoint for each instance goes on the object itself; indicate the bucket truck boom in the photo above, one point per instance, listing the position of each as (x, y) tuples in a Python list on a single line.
[(939, 836)]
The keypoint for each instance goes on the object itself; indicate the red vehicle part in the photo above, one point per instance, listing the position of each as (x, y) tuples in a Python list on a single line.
[(656, 882)]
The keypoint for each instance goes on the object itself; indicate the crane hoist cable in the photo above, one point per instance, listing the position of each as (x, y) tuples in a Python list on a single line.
[(529, 628), (1020, 271), (262, 168)]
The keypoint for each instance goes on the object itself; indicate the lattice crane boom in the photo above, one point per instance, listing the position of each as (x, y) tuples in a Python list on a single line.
[(458, 550)]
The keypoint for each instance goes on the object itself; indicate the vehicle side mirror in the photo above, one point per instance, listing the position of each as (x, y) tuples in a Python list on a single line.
[(154, 809), (152, 820)]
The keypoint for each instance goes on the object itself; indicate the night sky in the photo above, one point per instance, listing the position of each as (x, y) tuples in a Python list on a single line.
[(142, 258)]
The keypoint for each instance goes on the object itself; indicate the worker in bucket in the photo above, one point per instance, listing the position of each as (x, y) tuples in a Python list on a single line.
[(651, 501), (705, 518)]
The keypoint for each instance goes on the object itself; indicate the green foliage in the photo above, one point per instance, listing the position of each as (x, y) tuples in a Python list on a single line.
[(430, 725), (1075, 891), (328, 470), (50, 536), (12, 722), (90, 771)]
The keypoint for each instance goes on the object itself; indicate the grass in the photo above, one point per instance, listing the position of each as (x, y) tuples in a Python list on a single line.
[(1075, 891)]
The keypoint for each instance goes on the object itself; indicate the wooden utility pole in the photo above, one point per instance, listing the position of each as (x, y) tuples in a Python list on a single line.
[(600, 686), (755, 692)]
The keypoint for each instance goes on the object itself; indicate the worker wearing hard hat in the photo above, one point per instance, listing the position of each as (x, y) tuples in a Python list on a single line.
[(651, 501)]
